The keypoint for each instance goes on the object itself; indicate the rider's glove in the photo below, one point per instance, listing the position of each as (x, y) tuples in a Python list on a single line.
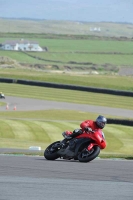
[(68, 137), (78, 131), (87, 129)]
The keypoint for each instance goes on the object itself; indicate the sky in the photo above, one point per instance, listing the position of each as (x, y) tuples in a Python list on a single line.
[(73, 10)]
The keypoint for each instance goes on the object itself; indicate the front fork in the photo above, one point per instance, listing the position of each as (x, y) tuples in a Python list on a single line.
[(91, 145)]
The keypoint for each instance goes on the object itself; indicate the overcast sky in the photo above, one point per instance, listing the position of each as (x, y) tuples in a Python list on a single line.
[(76, 10)]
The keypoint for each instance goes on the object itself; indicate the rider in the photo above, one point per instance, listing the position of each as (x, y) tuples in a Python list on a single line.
[(89, 125)]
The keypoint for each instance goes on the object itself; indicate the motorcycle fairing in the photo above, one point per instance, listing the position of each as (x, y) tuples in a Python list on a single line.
[(81, 142), (72, 149)]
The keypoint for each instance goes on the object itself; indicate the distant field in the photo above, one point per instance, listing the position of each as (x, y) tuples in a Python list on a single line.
[(77, 55), (81, 45), (85, 60), (65, 27)]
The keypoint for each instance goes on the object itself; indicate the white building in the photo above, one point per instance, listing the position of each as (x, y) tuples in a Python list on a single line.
[(21, 45), (95, 29)]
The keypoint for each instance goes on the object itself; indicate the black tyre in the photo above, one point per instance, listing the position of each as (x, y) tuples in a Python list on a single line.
[(87, 156), (50, 152)]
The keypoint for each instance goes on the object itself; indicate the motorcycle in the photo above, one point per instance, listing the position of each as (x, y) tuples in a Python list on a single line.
[(84, 148), (2, 96)]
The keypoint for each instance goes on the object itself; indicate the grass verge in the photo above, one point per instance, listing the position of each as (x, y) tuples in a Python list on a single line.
[(21, 134), (99, 81)]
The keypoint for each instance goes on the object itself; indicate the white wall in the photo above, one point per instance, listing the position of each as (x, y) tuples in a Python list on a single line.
[(23, 47)]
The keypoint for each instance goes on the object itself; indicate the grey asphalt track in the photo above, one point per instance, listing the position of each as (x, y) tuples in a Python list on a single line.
[(23, 104), (34, 178)]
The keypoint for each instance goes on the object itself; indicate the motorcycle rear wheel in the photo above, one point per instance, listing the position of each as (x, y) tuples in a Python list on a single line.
[(51, 154), (87, 156)]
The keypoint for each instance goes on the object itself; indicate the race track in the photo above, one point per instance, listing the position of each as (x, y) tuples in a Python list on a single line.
[(23, 104), (34, 178)]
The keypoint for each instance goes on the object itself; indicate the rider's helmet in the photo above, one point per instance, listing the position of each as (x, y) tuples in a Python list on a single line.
[(101, 121)]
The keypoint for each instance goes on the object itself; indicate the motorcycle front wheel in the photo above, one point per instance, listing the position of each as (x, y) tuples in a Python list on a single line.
[(50, 152), (87, 156)]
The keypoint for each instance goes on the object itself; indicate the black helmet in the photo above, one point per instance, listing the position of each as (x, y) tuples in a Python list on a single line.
[(101, 121)]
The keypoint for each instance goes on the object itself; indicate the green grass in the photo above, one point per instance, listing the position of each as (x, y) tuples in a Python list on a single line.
[(63, 29), (80, 58), (95, 46), (26, 133), (71, 96), (2, 103), (99, 81), (100, 54), (93, 51), (19, 57), (81, 45), (64, 115)]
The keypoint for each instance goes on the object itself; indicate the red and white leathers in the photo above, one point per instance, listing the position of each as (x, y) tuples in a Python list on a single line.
[(91, 124), (87, 123)]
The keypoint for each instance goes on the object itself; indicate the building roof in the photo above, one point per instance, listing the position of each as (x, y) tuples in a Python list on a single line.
[(21, 41)]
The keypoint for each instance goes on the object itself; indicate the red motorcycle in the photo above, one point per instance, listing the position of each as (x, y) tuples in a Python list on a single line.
[(85, 147)]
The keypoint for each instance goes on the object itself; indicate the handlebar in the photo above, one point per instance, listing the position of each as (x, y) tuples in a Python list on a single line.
[(90, 131)]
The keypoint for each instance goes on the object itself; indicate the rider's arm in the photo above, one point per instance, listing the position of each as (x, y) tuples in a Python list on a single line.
[(84, 124)]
